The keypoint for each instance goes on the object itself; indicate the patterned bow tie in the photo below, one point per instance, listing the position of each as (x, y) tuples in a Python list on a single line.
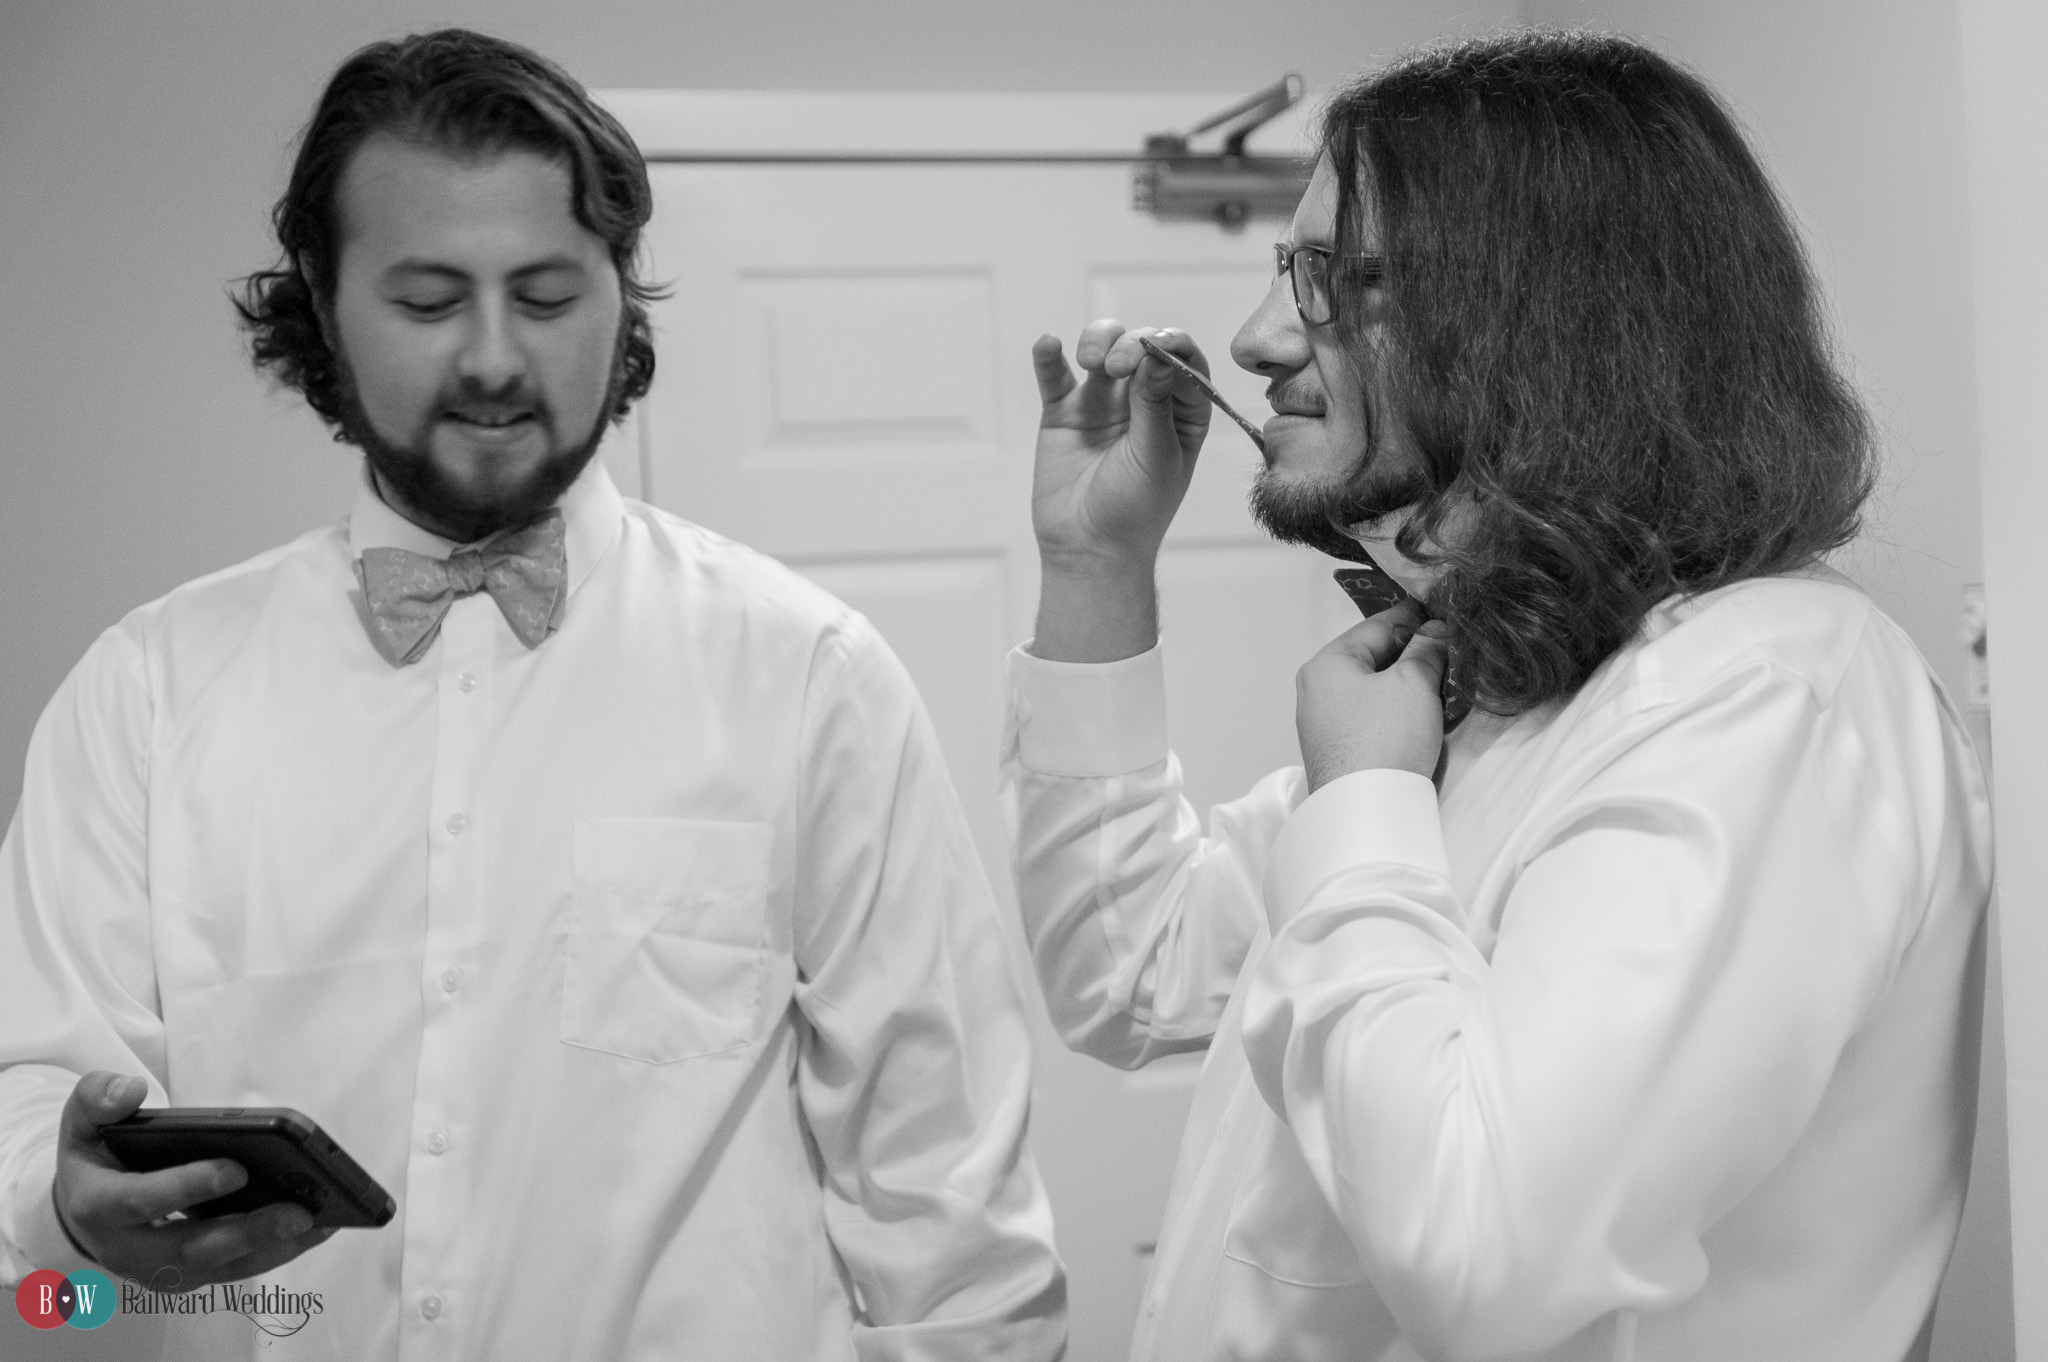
[(409, 593)]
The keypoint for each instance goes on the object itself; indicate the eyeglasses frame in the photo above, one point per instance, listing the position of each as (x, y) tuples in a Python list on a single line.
[(1285, 255)]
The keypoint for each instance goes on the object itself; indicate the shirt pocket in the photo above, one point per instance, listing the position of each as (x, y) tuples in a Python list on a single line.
[(1280, 1223), (667, 938)]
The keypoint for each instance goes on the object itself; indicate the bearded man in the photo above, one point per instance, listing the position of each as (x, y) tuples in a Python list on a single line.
[(594, 881), (1636, 1016)]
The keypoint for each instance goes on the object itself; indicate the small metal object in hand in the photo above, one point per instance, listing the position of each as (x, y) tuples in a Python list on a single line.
[(1201, 381)]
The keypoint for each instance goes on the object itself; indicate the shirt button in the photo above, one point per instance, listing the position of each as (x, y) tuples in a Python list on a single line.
[(456, 823), (451, 979), (431, 1307), (466, 681), (437, 1143)]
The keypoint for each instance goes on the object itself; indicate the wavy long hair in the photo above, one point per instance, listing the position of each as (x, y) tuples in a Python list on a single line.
[(1604, 338), (471, 95)]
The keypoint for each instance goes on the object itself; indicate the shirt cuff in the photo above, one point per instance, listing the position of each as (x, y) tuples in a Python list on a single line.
[(1089, 718), (1378, 815), (42, 1240)]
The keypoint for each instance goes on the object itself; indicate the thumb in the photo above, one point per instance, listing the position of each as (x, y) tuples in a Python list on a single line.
[(1429, 652), (1158, 404), (99, 1099), (1377, 642)]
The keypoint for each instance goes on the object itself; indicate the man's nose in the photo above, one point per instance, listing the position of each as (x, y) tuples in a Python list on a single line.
[(492, 357), (1272, 340)]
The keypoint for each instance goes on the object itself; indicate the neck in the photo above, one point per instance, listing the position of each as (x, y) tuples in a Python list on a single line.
[(1376, 539), (391, 497)]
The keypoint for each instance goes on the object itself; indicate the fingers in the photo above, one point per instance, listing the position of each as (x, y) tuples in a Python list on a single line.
[(1106, 347), (1098, 339), (109, 1198), (1055, 376), (187, 1254), (1121, 386), (264, 1255), (1428, 653), (1376, 642), (209, 1244)]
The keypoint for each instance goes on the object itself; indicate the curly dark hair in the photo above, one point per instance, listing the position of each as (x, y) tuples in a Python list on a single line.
[(470, 94), (1604, 338)]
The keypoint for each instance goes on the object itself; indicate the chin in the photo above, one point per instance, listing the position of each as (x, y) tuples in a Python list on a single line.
[(1296, 453)]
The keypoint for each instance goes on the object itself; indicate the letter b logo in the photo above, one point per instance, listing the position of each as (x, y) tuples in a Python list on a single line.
[(46, 1299)]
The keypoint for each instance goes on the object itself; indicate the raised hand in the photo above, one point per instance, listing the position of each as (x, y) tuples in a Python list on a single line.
[(1116, 445), (1116, 451)]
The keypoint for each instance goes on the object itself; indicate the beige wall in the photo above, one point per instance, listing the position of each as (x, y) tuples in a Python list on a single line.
[(141, 145)]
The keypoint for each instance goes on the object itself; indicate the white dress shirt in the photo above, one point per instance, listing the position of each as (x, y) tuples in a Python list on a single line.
[(652, 970), (1653, 1036)]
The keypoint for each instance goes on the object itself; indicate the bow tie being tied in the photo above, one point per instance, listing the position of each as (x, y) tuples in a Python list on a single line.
[(409, 593)]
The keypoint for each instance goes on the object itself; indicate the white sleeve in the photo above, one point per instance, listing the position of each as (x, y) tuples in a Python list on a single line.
[(1139, 922), (1523, 1143), (77, 977), (915, 1069)]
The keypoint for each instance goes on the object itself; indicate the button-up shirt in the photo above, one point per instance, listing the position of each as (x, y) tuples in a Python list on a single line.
[(652, 970), (1652, 1035)]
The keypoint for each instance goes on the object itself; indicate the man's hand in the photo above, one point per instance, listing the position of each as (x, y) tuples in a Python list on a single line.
[(118, 1216), (1371, 698), (1116, 450)]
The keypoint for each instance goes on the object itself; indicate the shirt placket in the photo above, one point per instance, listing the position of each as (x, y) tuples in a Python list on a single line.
[(433, 1320)]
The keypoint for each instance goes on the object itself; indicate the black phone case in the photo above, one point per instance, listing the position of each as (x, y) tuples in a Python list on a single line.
[(287, 1156), (1372, 590)]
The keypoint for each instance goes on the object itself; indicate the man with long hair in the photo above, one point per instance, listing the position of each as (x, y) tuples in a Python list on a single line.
[(1631, 1012), (593, 880)]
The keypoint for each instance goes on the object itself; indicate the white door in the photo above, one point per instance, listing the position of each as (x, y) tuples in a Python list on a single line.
[(844, 382)]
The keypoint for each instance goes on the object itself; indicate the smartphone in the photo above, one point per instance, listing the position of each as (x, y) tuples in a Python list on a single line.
[(1372, 590), (287, 1156)]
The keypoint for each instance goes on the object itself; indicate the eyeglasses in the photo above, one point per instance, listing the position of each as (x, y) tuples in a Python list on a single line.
[(1308, 273)]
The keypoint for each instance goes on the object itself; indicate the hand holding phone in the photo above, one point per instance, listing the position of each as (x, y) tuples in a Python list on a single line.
[(118, 1216), (287, 1157)]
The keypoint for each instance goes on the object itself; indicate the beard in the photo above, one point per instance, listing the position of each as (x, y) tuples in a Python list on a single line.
[(1315, 513), (407, 472)]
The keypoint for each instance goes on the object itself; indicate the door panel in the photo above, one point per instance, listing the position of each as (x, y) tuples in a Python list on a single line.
[(822, 363)]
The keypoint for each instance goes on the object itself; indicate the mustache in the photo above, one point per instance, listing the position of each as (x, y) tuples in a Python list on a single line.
[(1293, 393), (470, 398)]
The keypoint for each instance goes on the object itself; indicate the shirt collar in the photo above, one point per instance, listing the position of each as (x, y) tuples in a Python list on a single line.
[(591, 510)]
